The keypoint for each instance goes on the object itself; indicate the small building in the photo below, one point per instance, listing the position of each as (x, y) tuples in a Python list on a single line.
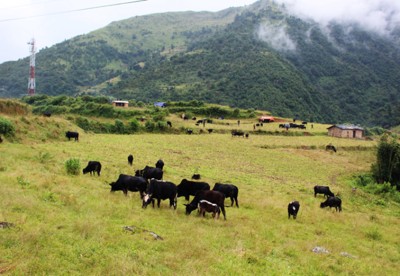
[(266, 119), (119, 103), (346, 131)]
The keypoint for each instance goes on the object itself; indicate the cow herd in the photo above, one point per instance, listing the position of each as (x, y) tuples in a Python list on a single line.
[(331, 201), (151, 187)]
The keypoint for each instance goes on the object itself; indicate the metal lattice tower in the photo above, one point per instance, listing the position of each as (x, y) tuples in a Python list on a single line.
[(31, 81)]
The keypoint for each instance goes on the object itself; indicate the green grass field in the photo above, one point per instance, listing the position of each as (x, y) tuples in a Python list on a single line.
[(67, 224)]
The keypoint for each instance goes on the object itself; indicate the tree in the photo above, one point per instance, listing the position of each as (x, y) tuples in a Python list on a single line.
[(387, 166)]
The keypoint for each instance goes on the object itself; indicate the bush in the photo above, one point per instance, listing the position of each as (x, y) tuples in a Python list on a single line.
[(134, 126), (73, 166), (6, 127)]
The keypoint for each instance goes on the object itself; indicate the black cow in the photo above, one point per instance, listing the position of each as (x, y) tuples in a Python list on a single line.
[(92, 167), (229, 190), (293, 208), (330, 147), (72, 134), (206, 206), (160, 164), (131, 183), (187, 188), (211, 196), (1, 140), (323, 190), (237, 133), (169, 124), (130, 159), (332, 201), (196, 176), (150, 172), (160, 190), (189, 131)]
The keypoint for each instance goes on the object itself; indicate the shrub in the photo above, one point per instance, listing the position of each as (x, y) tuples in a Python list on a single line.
[(6, 127), (119, 127), (73, 166), (134, 125)]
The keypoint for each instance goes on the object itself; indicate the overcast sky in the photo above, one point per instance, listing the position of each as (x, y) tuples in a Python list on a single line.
[(50, 22)]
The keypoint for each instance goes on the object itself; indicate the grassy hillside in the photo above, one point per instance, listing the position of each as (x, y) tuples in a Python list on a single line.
[(67, 224)]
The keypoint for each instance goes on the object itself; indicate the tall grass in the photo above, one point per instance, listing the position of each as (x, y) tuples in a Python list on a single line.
[(74, 225)]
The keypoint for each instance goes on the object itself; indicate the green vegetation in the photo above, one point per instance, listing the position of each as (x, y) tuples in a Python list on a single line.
[(387, 166), (73, 166), (6, 127), (72, 224)]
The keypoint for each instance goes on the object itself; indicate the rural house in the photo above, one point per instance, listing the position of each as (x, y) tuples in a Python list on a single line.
[(119, 103), (346, 131)]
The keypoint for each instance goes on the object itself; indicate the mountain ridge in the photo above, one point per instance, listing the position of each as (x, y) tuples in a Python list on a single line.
[(257, 56)]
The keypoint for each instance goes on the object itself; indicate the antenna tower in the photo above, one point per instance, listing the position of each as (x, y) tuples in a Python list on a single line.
[(31, 81)]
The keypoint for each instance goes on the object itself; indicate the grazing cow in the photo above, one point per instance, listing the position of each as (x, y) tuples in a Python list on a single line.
[(72, 134), (332, 201), (237, 133), (189, 131), (150, 172), (131, 183), (293, 209), (210, 130), (160, 190), (92, 167), (196, 176), (330, 147), (229, 190), (160, 164), (323, 190), (169, 124), (211, 196), (130, 159), (187, 188), (206, 206)]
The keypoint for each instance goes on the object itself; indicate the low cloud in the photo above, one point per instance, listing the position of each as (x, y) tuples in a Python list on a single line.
[(276, 36), (380, 16)]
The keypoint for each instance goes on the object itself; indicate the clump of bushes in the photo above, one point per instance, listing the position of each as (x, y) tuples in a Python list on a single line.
[(6, 127), (73, 166)]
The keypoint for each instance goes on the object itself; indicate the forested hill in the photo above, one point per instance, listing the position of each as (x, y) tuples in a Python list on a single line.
[(252, 57)]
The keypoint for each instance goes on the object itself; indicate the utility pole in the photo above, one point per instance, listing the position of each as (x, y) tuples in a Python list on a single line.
[(31, 81)]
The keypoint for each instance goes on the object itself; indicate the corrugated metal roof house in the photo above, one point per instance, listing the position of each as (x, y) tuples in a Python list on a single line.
[(346, 131)]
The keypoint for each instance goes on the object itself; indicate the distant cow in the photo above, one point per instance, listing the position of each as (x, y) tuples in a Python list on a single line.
[(130, 159), (293, 209), (210, 130), (189, 131), (72, 134), (160, 164), (130, 183), (92, 167), (332, 201), (47, 114), (211, 196), (229, 190), (1, 140), (196, 176), (323, 190), (206, 206), (169, 124), (330, 147), (187, 188), (237, 133), (160, 190), (150, 172)]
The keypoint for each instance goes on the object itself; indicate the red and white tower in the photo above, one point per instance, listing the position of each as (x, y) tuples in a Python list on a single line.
[(31, 81)]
